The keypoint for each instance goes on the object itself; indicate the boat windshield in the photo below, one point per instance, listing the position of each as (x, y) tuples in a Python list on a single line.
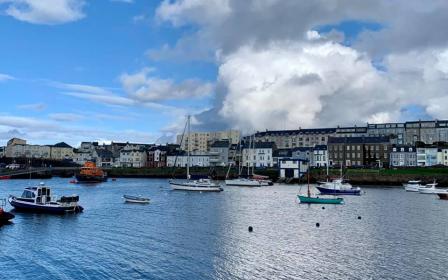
[(28, 194)]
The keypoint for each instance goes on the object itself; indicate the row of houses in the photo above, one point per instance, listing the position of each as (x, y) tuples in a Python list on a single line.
[(407, 133)]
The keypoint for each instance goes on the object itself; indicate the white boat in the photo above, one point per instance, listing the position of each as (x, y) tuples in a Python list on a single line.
[(243, 182), (428, 188), (201, 185), (136, 199), (338, 186), (412, 186)]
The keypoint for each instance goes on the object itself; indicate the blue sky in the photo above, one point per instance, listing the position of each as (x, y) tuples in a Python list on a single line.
[(131, 70), (110, 40)]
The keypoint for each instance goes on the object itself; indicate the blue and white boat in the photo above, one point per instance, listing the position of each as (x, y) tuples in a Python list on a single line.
[(338, 186), (40, 199)]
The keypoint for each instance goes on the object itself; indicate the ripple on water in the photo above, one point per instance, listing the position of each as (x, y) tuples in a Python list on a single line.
[(205, 236)]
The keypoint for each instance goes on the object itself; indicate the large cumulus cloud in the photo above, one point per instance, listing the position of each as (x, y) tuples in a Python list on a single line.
[(275, 72)]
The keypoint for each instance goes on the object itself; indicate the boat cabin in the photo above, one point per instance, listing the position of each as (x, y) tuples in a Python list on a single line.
[(39, 194)]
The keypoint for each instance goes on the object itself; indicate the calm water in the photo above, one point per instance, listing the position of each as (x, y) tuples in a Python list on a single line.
[(204, 235)]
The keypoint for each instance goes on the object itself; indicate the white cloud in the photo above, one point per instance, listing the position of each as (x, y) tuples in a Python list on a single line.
[(66, 117), (5, 77), (45, 12), (144, 87), (276, 72), (33, 107)]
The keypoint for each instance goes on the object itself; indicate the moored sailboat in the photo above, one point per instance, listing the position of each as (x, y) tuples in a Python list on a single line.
[(201, 185), (316, 199)]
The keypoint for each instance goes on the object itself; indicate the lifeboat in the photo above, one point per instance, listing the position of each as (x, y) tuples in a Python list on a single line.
[(90, 173)]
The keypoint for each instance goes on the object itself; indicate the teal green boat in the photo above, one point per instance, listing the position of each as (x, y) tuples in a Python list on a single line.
[(320, 200)]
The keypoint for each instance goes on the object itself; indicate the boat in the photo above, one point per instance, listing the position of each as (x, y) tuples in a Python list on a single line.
[(5, 217), (201, 185), (90, 173), (412, 185), (309, 199), (428, 188), (41, 200), (243, 182), (264, 180), (136, 199), (337, 186)]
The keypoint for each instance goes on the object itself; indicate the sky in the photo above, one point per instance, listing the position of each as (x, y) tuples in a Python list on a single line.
[(131, 70)]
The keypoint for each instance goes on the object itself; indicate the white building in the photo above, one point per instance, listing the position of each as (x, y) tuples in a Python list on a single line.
[(427, 156), (292, 167), (320, 155), (130, 156), (259, 154), (196, 160)]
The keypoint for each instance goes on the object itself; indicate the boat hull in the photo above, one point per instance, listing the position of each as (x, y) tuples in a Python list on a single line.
[(320, 200), (135, 199), (353, 191), (189, 187), (43, 208), (90, 179), (5, 217), (411, 188), (443, 196), (243, 183), (427, 191)]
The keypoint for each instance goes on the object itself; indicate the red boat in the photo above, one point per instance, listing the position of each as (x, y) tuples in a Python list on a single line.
[(5, 177), (5, 217)]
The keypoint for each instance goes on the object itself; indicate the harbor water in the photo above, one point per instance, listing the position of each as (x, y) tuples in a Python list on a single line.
[(386, 233)]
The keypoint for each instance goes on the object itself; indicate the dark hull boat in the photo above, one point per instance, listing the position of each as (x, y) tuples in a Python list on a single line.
[(50, 208), (353, 191), (5, 217), (443, 195)]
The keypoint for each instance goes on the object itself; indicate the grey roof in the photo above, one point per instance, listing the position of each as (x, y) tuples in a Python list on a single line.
[(297, 131), (358, 140), (61, 145), (260, 145)]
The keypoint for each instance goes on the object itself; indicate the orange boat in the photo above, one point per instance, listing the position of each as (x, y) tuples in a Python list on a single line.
[(90, 173)]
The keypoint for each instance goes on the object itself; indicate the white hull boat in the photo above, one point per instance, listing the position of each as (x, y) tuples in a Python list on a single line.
[(135, 199), (202, 185), (428, 189), (413, 186), (243, 182)]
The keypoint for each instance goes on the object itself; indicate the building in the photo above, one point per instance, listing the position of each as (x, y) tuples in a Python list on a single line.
[(292, 167), (260, 154), (18, 148), (201, 141), (133, 155), (395, 131), (157, 155), (319, 156), (61, 151), (403, 156), (280, 154), (359, 151), (219, 153), (286, 139), (427, 155), (198, 159)]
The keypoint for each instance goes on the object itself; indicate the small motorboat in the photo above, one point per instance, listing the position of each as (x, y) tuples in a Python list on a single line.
[(135, 199), (428, 189), (40, 199), (5, 217), (412, 186)]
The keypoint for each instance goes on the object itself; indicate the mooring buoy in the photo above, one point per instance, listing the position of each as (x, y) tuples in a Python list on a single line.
[(250, 229), (359, 217), (317, 225)]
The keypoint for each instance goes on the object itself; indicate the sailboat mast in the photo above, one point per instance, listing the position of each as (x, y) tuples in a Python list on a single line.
[(328, 163), (308, 175), (188, 147), (254, 155), (249, 155)]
